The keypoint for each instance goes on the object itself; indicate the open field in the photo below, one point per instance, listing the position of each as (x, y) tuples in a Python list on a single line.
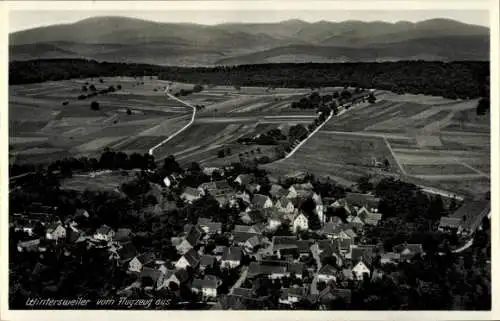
[(437, 142), (106, 182)]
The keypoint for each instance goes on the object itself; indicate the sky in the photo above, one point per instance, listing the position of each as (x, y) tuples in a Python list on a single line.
[(26, 19)]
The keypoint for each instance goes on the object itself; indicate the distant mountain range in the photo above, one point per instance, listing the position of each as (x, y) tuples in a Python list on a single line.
[(121, 39)]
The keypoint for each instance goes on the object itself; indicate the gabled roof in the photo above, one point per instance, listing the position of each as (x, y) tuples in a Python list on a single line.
[(241, 228), (331, 293), (283, 201), (293, 292), (207, 260), (146, 257), (253, 241), (209, 224), (123, 234), (303, 186), (127, 251), (362, 252), (408, 249), (450, 222), (247, 293), (473, 212), (52, 227), (73, 235), (359, 200), (232, 254), (245, 179), (277, 191), (192, 192), (193, 235), (390, 256), (192, 257), (327, 270), (154, 274), (204, 283), (242, 236), (257, 268), (259, 200), (297, 268)]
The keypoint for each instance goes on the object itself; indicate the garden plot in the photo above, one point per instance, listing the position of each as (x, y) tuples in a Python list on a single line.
[(437, 169)]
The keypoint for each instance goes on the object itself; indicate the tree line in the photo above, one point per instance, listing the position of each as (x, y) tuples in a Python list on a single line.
[(460, 79)]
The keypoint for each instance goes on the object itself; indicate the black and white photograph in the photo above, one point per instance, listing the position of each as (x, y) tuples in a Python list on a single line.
[(282, 157)]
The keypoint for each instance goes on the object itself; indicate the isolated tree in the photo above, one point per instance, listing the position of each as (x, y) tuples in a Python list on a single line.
[(119, 87), (371, 98), (483, 106), (129, 111), (221, 153), (92, 88), (84, 88), (94, 105), (364, 184), (111, 89), (101, 81)]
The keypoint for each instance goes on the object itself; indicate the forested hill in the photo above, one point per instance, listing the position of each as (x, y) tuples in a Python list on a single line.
[(461, 79)]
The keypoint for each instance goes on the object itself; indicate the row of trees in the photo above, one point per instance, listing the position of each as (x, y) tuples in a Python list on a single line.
[(95, 92), (452, 79)]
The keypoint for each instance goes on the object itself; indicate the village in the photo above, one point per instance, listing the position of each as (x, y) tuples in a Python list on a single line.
[(290, 244)]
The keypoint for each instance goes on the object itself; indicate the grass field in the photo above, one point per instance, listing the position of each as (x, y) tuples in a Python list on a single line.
[(106, 182)]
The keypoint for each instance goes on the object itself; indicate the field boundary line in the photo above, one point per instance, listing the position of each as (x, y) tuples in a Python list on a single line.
[(315, 131), (394, 156), (473, 168), (152, 149)]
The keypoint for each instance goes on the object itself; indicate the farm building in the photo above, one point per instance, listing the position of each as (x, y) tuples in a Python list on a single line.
[(467, 219)]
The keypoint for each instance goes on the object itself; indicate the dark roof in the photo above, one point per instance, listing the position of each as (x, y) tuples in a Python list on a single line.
[(241, 228), (73, 235), (259, 200), (362, 252), (193, 235), (232, 254), (192, 257), (204, 283), (207, 260), (327, 270), (241, 237), (254, 241), (123, 234), (247, 293), (284, 201), (450, 222), (360, 200), (257, 268), (53, 226), (154, 274), (182, 275), (245, 178), (209, 224), (146, 257), (296, 268), (473, 212), (127, 251), (277, 191), (293, 292), (255, 216)]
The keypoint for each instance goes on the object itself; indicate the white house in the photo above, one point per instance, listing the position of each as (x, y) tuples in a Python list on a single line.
[(138, 262), (191, 194), (284, 205), (260, 202), (167, 181), (360, 269), (190, 258), (104, 233), (55, 232), (300, 223)]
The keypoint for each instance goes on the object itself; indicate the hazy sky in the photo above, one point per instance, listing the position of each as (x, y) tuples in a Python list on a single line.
[(19, 20)]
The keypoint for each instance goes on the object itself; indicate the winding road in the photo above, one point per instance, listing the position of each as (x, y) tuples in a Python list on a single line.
[(167, 94)]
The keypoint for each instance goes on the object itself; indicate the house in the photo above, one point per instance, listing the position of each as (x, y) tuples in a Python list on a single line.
[(291, 296), (300, 223), (178, 277), (138, 262), (215, 189), (193, 236), (123, 235), (55, 231), (389, 258), (244, 179), (209, 171), (362, 253), (207, 287), (208, 226), (297, 176), (274, 219), (271, 271), (73, 235), (247, 229), (360, 200), (260, 202), (408, 251), (284, 205), (467, 219), (244, 196), (150, 277), (252, 217), (372, 219), (355, 222), (253, 188), (331, 229), (191, 258), (28, 245), (331, 294), (207, 261), (167, 181), (127, 251), (359, 270), (252, 243), (231, 257), (327, 273), (218, 251), (277, 191), (191, 194), (296, 269), (283, 245)]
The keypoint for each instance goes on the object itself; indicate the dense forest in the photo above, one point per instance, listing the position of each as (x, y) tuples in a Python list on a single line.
[(465, 79)]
